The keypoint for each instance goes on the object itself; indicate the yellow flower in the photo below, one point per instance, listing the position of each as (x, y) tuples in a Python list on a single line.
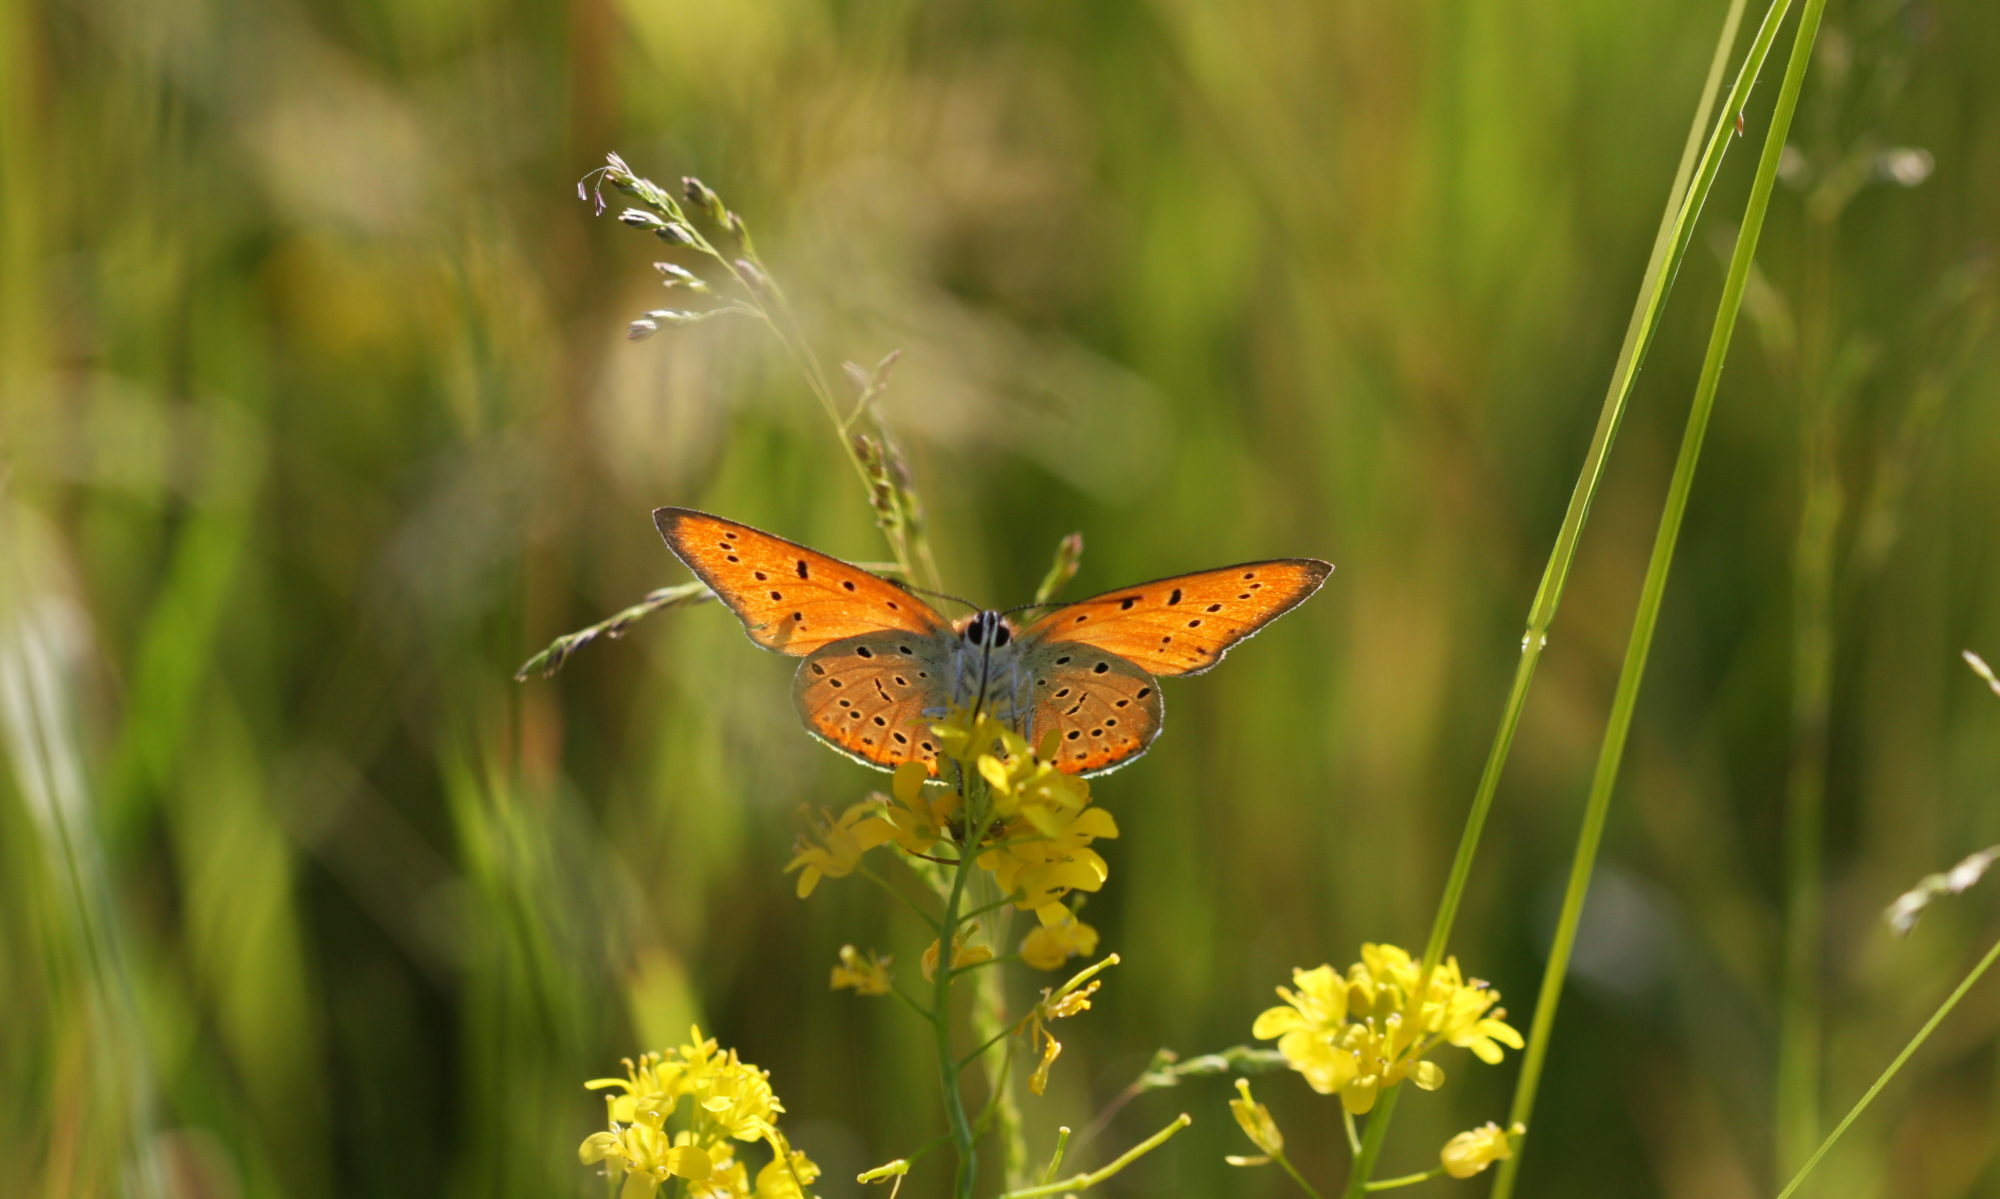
[(1038, 849), (1318, 1006), (1069, 999), (731, 1100), (1469, 1019), (1025, 784), (1039, 867), (840, 846), (1059, 937), (867, 975), (965, 740), (787, 1174), (962, 954), (1316, 1039), (648, 1157), (727, 1180), (740, 1101), (1355, 1035), (693, 1065), (1256, 1122), (916, 815), (1472, 1151), (649, 1087), (1019, 780)]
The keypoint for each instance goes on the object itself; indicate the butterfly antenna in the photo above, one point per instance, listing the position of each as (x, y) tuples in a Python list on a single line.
[(940, 595), (1030, 607)]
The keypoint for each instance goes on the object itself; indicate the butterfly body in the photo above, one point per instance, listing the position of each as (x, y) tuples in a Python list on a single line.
[(881, 665)]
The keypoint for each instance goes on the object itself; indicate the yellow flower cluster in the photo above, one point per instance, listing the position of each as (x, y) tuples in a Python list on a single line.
[(651, 1138), (1039, 826), (1356, 1034)]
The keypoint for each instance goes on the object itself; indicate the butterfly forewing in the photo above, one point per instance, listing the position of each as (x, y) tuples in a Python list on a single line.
[(1183, 625), (875, 697), (789, 598), (1102, 709)]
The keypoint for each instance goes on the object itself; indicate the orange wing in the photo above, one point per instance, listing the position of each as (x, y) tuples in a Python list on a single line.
[(1105, 710), (1183, 625), (789, 598), (874, 698)]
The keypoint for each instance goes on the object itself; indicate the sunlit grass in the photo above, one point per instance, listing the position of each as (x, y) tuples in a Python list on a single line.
[(317, 421)]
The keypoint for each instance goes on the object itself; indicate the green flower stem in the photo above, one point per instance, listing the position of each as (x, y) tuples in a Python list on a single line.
[(1371, 1141), (1406, 1180), (1353, 1133), (999, 1096), (949, 1067), (1868, 1097), (992, 906), (1285, 1163), (985, 1045), (910, 1001), (1699, 164), (1083, 1182), (892, 1170), (872, 876), (995, 960), (1055, 1159), (990, 1023), (1625, 698)]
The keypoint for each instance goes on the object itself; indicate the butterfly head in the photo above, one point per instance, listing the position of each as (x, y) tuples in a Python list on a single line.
[(985, 629)]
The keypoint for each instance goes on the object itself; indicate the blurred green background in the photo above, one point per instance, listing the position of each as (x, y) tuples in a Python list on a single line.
[(318, 420)]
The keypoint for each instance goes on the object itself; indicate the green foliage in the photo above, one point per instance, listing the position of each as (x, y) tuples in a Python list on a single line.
[(318, 419)]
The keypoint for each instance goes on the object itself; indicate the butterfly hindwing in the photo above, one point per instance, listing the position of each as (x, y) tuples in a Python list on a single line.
[(789, 598), (874, 697), (1184, 624), (1103, 709)]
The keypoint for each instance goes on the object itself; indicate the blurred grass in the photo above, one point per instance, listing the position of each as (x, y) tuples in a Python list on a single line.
[(318, 420)]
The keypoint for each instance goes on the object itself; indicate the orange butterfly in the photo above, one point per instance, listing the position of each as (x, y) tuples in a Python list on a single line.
[(881, 665)]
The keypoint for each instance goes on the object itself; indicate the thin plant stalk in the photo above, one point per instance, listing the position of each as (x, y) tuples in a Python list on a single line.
[(990, 1025), (950, 1067), (1796, 1106), (1083, 1182), (1371, 1142), (766, 301), (1916, 1042), (1632, 672), (1699, 164), (1694, 176)]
